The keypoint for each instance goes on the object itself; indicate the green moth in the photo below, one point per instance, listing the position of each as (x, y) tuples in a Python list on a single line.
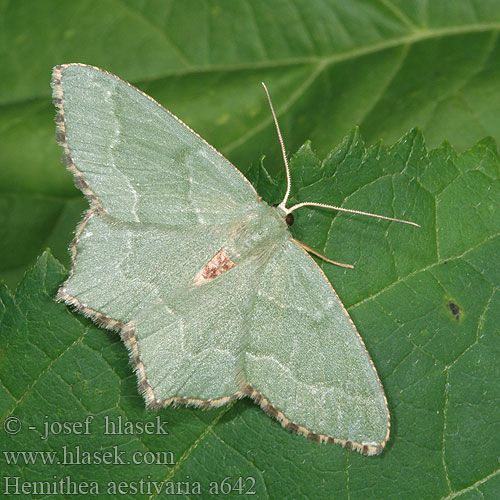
[(212, 296)]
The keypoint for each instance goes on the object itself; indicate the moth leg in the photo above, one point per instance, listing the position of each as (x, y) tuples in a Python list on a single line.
[(307, 248)]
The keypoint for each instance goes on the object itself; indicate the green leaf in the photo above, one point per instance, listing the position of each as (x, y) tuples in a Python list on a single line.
[(438, 363), (329, 65)]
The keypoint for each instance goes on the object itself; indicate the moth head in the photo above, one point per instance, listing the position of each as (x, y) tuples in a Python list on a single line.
[(288, 217)]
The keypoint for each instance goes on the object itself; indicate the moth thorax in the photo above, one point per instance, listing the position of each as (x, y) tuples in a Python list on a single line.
[(258, 234)]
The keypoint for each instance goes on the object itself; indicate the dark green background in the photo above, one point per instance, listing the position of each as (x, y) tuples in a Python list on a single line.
[(386, 66)]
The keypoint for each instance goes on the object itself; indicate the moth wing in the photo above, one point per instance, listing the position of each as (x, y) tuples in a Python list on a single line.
[(189, 347), (135, 159), (306, 364), (163, 200), (120, 268)]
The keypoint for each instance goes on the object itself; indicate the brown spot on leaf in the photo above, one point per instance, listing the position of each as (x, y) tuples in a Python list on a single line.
[(455, 310), (218, 264)]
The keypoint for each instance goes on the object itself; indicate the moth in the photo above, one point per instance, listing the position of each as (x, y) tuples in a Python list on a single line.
[(213, 297)]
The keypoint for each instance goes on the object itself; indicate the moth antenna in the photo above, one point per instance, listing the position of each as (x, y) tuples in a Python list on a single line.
[(340, 209), (282, 205)]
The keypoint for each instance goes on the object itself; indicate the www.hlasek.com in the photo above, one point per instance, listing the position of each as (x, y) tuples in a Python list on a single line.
[(77, 455)]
